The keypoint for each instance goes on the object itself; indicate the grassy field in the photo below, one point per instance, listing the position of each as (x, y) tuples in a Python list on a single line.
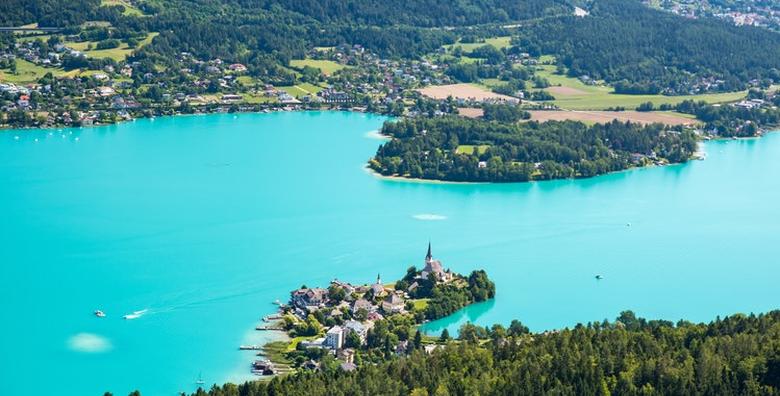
[(498, 42), (469, 149), (27, 72), (573, 94), (117, 54), (301, 89), (130, 10), (326, 66), (420, 304)]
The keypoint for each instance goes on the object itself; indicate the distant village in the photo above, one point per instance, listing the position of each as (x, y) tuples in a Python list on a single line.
[(341, 320), (744, 12), (130, 89)]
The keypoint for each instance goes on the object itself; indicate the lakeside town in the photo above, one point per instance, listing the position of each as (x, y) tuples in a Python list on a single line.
[(346, 324), (455, 79)]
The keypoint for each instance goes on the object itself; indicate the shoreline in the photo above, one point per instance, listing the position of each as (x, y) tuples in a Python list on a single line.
[(218, 110), (380, 176)]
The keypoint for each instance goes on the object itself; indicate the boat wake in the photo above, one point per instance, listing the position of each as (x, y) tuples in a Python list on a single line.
[(429, 217), (135, 314)]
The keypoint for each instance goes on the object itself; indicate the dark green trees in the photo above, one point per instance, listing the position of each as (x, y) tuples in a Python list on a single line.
[(459, 149)]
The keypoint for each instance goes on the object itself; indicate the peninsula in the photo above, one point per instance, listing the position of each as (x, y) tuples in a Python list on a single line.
[(347, 324)]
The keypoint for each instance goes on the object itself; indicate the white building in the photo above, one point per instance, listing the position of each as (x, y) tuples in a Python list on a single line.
[(334, 338)]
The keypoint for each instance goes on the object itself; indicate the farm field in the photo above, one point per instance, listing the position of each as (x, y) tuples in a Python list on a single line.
[(498, 42), (327, 67), (461, 91), (573, 94), (669, 118)]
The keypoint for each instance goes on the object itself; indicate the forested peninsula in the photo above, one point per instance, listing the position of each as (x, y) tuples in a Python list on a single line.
[(736, 355), (469, 150)]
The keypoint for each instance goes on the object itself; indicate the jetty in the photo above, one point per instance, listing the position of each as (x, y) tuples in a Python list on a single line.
[(250, 347)]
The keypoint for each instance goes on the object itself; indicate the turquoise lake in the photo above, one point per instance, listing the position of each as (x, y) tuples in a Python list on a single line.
[(203, 221)]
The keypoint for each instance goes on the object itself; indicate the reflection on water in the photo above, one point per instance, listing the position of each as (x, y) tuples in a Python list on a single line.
[(460, 317)]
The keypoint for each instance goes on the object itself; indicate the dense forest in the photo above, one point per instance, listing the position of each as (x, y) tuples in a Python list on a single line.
[(458, 149), (641, 50), (737, 355)]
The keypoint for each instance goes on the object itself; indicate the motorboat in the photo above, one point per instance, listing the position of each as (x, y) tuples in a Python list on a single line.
[(100, 314)]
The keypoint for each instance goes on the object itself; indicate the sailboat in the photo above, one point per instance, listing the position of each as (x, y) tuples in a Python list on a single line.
[(200, 380)]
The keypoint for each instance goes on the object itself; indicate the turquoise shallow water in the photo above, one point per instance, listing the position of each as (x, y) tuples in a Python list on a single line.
[(205, 220)]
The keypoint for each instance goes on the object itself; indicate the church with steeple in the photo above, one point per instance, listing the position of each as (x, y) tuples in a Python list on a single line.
[(434, 267)]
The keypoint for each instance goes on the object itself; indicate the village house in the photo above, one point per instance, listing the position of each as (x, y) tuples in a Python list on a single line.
[(359, 328), (393, 303), (306, 298), (237, 67), (363, 304)]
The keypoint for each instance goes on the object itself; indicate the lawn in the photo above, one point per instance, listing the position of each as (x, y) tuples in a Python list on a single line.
[(27, 72), (33, 37), (117, 54), (573, 94), (420, 304), (301, 89), (469, 149), (130, 10), (498, 42), (327, 67)]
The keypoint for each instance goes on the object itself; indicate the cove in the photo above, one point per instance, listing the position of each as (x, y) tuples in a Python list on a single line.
[(203, 221)]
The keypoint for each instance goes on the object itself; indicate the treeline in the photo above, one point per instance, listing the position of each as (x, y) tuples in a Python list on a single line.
[(448, 298), (54, 13), (737, 355), (641, 50), (421, 13), (460, 149), (727, 120)]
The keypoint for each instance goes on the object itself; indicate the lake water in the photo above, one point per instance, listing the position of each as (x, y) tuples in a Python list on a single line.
[(205, 220)]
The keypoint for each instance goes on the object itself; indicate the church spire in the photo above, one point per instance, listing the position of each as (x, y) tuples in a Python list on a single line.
[(429, 255)]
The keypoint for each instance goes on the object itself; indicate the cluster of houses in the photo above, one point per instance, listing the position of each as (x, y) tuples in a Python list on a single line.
[(366, 303), (751, 103), (750, 13)]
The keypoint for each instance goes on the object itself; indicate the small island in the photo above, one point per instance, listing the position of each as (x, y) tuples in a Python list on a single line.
[(346, 325), (503, 150)]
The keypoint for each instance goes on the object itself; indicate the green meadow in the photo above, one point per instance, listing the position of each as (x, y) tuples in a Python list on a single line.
[(327, 67), (600, 97), (498, 42)]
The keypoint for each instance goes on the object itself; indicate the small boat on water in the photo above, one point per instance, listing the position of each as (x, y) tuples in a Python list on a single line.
[(599, 277), (100, 314), (200, 380)]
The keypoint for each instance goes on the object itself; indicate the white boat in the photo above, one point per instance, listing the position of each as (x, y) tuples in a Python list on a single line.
[(100, 314)]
